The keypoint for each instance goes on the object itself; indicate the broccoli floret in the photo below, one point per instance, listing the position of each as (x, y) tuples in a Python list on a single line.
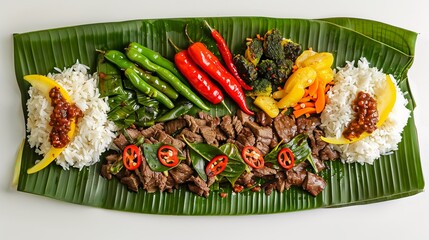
[(275, 71), (254, 50), (273, 47), (245, 68), (292, 49), (261, 87)]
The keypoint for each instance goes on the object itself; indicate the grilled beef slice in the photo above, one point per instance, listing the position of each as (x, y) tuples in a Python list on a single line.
[(198, 186), (285, 127), (174, 125), (181, 173), (314, 184)]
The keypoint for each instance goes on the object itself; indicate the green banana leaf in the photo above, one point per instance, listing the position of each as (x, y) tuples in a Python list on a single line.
[(386, 47)]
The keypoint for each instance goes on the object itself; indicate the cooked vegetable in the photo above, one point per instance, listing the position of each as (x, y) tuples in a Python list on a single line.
[(273, 47), (109, 78), (185, 91), (292, 49), (168, 156), (254, 50), (198, 78), (245, 68), (294, 87), (120, 60), (216, 165), (286, 158), (268, 105), (261, 87), (131, 157), (158, 59), (276, 71), (226, 56), (181, 109), (253, 157), (145, 88), (44, 85), (211, 65)]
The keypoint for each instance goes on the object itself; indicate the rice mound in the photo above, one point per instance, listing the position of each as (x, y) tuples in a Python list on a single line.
[(94, 132), (338, 113)]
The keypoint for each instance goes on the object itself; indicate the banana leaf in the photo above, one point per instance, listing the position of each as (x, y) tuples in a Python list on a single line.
[(386, 47)]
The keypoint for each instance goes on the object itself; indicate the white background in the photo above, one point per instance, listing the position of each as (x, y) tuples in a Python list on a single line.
[(27, 216)]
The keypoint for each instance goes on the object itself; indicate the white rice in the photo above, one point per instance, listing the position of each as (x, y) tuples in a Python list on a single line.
[(338, 113), (94, 132)]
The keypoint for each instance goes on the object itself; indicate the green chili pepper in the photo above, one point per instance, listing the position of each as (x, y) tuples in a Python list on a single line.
[(120, 60), (109, 78), (179, 110), (166, 75), (147, 89), (158, 59)]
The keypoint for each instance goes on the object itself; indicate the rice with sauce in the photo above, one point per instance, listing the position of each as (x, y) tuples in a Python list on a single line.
[(94, 132), (338, 113)]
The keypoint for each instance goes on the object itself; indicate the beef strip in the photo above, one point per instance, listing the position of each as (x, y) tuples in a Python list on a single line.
[(111, 158), (220, 136), (328, 153), (191, 136), (316, 143), (246, 137), (151, 181), (174, 125), (281, 181), (181, 173), (243, 117), (198, 186), (318, 163), (264, 171), (209, 135), (105, 171), (227, 127), (121, 142), (245, 179), (133, 133), (194, 123), (167, 139), (307, 125), (170, 184), (210, 180), (285, 127), (131, 182), (314, 184), (211, 121), (238, 125), (297, 174), (259, 131), (151, 131), (123, 173), (263, 119)]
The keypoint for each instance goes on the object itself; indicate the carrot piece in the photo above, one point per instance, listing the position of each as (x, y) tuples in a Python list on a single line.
[(303, 105), (305, 99), (300, 112), (312, 89), (320, 102), (327, 88)]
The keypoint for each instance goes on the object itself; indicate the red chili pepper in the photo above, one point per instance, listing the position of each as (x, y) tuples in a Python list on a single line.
[(168, 156), (253, 157), (286, 158), (131, 157), (216, 165), (197, 77), (211, 65), (226, 55)]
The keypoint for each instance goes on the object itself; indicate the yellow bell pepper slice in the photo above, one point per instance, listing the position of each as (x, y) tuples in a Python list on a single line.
[(385, 103), (44, 85), (268, 105), (295, 85)]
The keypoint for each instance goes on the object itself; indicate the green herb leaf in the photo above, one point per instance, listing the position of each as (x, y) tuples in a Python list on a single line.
[(150, 152), (299, 147), (235, 166), (199, 163)]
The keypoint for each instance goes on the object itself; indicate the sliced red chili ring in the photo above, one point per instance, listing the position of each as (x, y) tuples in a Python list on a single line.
[(168, 156), (216, 165), (131, 157), (253, 157), (286, 158)]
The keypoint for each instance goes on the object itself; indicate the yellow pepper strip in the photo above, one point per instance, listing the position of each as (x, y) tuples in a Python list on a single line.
[(319, 61), (45, 84), (268, 105), (295, 86), (385, 103), (299, 62)]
